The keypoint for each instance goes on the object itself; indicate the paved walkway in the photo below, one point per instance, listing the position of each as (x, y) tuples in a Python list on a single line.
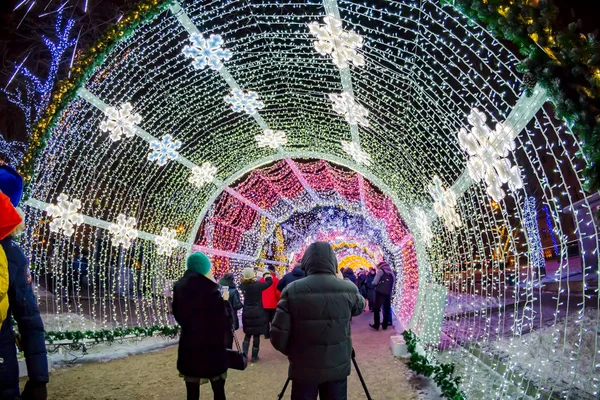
[(154, 375)]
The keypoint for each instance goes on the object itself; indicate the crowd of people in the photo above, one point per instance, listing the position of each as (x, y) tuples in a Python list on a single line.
[(306, 314)]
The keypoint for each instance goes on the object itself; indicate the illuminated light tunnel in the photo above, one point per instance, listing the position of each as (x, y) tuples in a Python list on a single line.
[(238, 129)]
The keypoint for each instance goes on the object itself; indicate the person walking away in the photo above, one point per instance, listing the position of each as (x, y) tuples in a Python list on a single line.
[(80, 268), (270, 298), (201, 311), (254, 317), (235, 302), (294, 275), (361, 282), (349, 274), (312, 327), (371, 288), (18, 301), (384, 285)]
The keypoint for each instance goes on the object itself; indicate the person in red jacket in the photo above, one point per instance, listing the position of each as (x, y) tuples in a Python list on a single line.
[(270, 298)]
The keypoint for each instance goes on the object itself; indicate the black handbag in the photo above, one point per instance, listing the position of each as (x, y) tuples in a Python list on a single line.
[(236, 358)]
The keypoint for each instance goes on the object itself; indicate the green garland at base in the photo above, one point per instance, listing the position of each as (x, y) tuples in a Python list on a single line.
[(442, 373), (107, 335)]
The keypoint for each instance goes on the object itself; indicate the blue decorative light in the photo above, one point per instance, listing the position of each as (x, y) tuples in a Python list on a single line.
[(550, 228)]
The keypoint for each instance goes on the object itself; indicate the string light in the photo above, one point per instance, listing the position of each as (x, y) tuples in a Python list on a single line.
[(425, 67)]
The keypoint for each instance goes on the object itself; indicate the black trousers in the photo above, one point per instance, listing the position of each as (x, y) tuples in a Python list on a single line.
[(218, 388), (335, 390), (383, 302), (255, 340), (270, 315)]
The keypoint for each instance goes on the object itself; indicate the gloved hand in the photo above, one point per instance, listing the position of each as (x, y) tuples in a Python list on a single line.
[(34, 391)]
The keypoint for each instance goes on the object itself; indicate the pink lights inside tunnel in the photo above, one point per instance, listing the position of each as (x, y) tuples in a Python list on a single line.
[(288, 197)]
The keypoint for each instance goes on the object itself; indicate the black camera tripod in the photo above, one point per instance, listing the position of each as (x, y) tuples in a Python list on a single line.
[(362, 380)]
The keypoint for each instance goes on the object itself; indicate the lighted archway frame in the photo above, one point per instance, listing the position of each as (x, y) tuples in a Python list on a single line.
[(418, 102), (317, 201)]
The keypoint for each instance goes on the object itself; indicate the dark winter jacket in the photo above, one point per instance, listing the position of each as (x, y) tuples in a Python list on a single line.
[(234, 298), (384, 279), (350, 276), (361, 283), (297, 273), (23, 307), (254, 317), (202, 314), (312, 321), (370, 289)]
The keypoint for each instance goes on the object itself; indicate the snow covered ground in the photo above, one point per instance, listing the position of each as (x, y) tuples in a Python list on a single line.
[(553, 358), (460, 303)]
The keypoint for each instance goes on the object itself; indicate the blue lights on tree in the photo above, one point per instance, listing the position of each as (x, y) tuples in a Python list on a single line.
[(33, 96), (536, 255), (550, 228)]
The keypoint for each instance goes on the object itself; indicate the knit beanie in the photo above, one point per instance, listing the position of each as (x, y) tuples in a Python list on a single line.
[(199, 263), (9, 218), (248, 273), (11, 184)]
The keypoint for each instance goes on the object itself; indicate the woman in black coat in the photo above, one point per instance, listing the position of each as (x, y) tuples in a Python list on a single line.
[(236, 305), (254, 317), (201, 312)]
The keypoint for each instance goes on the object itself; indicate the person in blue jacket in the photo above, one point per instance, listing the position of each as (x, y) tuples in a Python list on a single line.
[(297, 273), (23, 308)]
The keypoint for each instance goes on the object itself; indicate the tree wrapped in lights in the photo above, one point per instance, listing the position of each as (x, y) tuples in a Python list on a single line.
[(33, 96)]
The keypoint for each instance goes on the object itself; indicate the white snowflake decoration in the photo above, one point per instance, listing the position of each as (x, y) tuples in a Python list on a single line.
[(207, 52), (64, 215), (345, 105), (423, 225), (164, 150), (487, 151), (203, 175), (359, 155), (120, 122), (123, 231), (271, 138), (341, 44), (244, 102), (166, 242), (445, 204)]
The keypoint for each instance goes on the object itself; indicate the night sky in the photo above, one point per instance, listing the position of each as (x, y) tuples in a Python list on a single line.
[(20, 35)]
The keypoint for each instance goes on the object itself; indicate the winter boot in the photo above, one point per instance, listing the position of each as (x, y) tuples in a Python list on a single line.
[(255, 354), (245, 347)]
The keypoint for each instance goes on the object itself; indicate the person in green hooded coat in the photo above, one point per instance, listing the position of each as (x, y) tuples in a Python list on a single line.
[(201, 311)]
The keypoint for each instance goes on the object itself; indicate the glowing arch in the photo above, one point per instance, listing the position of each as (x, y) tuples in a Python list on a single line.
[(425, 70)]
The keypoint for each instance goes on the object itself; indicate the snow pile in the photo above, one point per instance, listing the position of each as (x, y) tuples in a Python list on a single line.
[(554, 358), (479, 382), (68, 322), (460, 303)]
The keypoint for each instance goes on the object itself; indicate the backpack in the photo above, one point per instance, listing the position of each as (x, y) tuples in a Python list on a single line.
[(3, 285), (386, 284)]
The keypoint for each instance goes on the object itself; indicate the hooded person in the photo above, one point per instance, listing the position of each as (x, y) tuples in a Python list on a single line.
[(22, 303), (254, 317), (236, 305), (384, 285), (312, 326), (348, 273), (294, 275), (202, 312)]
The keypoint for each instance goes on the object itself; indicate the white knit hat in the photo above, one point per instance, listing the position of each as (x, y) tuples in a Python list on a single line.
[(248, 273)]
